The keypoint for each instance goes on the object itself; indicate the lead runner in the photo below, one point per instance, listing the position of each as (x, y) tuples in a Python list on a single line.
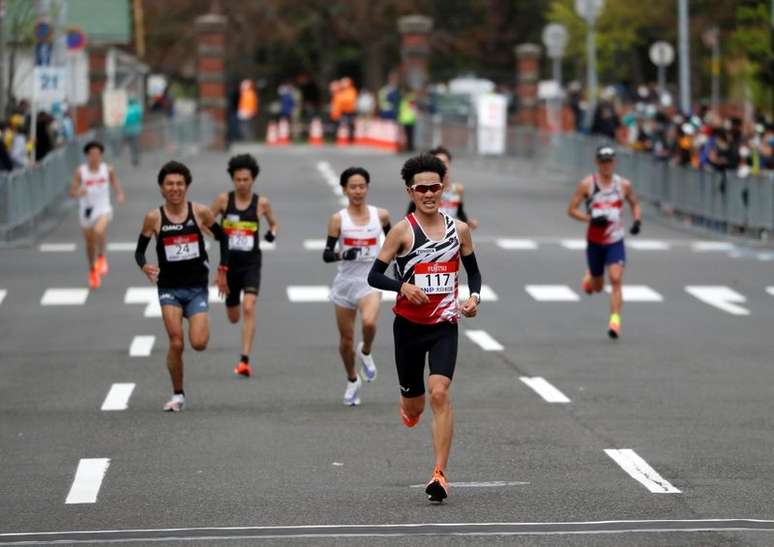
[(427, 246)]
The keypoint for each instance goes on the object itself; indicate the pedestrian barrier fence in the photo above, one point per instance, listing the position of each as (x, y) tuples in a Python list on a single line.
[(29, 196), (719, 200)]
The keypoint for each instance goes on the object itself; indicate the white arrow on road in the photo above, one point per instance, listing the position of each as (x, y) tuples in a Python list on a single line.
[(720, 297)]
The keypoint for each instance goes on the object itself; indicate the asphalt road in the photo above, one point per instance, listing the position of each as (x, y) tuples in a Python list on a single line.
[(664, 437)]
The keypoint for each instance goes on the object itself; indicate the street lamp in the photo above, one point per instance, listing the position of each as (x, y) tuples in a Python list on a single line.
[(589, 10)]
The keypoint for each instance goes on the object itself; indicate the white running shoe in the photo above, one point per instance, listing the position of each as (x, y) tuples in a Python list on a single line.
[(368, 366), (352, 394), (175, 404)]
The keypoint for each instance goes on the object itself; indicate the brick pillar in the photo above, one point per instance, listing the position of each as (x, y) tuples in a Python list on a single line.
[(414, 50), (210, 70), (89, 116), (527, 73)]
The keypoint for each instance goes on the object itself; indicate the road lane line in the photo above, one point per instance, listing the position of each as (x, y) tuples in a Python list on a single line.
[(314, 244), (719, 296), (308, 293), (511, 244), (712, 246), (3, 294), (121, 247), (484, 341), (118, 397), (545, 389), (638, 293), (552, 293), (573, 244), (640, 471), (57, 247), (648, 244), (141, 346), (64, 297), (487, 294), (87, 481)]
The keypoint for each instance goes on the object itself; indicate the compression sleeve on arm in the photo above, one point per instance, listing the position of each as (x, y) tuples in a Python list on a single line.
[(329, 255), (461, 214), (474, 275), (378, 279), (386, 228), (220, 235), (139, 251)]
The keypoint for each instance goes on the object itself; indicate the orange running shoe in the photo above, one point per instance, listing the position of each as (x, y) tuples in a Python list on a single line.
[(407, 421), (437, 489), (102, 265), (586, 283), (243, 369), (614, 326), (94, 279)]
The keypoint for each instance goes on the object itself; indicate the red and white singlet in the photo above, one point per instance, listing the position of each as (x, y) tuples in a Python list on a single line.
[(606, 203)]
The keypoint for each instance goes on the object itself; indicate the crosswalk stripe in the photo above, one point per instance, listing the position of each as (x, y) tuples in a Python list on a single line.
[(639, 470), (308, 293), (121, 247), (573, 244), (712, 246), (64, 297), (545, 389), (719, 296), (648, 245), (118, 397), (144, 295), (638, 293), (3, 293), (516, 244), (552, 293), (88, 480), (141, 346), (57, 247), (314, 244), (484, 340)]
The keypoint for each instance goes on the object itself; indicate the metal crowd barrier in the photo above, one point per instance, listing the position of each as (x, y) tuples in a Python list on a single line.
[(719, 201), (27, 196)]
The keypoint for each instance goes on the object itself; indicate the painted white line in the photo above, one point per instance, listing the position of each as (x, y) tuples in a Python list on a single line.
[(57, 247), (546, 390), (712, 246), (308, 293), (640, 471), (770, 290), (638, 293), (648, 244), (552, 293), (121, 247), (765, 257), (141, 346), (487, 294), (485, 342), (153, 309), (3, 294), (64, 297), (118, 397), (517, 244), (479, 484), (213, 297), (719, 296), (267, 246), (314, 244), (87, 481), (573, 244), (144, 295)]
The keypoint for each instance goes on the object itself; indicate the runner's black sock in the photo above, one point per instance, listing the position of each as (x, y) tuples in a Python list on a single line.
[(351, 381), (245, 359), (181, 392)]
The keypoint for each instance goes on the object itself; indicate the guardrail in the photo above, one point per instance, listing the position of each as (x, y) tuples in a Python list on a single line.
[(721, 201), (27, 196)]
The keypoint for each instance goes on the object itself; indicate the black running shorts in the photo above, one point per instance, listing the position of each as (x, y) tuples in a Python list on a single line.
[(242, 278), (412, 342)]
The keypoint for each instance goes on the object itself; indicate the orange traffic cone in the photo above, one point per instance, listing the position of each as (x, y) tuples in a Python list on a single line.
[(342, 135), (271, 134), (283, 133), (316, 132)]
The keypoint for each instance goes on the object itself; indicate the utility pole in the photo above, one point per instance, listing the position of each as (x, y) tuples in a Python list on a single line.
[(684, 56)]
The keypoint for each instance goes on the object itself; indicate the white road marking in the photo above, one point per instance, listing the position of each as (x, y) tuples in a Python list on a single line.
[(640, 471), (769, 290), (141, 346), (144, 295), (64, 297), (87, 481), (573, 244), (121, 247), (484, 340), (314, 244), (638, 293), (517, 244), (648, 244), (213, 297), (3, 293), (118, 397), (712, 246), (487, 294), (721, 297), (479, 484), (552, 293), (57, 247), (267, 245), (765, 257), (545, 389), (308, 293), (153, 309)]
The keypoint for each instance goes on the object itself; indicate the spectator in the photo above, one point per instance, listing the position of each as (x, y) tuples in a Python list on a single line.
[(247, 110), (133, 129)]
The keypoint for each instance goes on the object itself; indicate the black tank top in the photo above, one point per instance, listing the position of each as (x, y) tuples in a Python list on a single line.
[(242, 227), (182, 257)]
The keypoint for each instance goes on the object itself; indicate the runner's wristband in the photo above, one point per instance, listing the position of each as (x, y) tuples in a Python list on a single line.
[(329, 255), (378, 280), (139, 251), (220, 235), (474, 275)]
